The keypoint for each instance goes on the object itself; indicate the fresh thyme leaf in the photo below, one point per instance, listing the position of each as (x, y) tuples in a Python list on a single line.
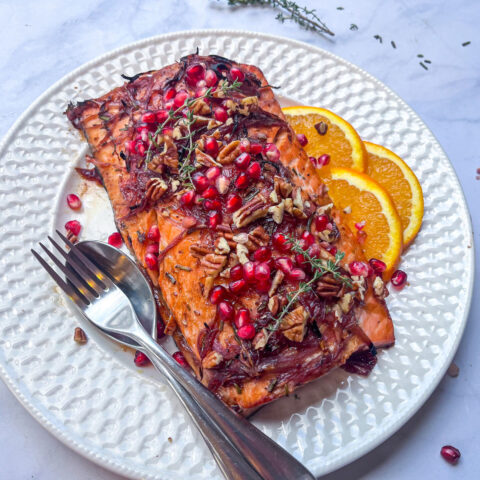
[(464, 44), (379, 38), (353, 27), (340, 8), (393, 44), (423, 65)]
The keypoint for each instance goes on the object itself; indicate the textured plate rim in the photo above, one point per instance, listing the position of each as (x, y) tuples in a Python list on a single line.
[(354, 454)]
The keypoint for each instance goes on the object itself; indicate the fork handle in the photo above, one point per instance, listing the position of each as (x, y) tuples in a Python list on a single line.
[(268, 458), (232, 464)]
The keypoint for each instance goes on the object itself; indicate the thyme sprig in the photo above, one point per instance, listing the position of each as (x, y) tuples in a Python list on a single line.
[(290, 11)]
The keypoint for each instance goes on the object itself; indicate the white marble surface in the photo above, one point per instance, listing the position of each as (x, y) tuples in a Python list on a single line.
[(42, 41)]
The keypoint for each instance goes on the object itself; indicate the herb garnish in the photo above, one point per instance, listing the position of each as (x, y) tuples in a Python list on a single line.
[(353, 27), (464, 44)]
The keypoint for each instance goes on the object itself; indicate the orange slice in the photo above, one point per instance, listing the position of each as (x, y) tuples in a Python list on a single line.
[(393, 174), (340, 139), (364, 200)]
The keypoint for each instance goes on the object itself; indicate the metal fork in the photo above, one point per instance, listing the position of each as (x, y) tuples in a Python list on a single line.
[(107, 307)]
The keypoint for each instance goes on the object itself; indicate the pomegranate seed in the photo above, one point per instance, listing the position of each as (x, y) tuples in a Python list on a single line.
[(271, 152), (201, 84), (225, 311), (214, 219), (242, 318), (358, 268), (153, 233), (151, 261), (360, 225), (321, 222), (301, 261), (308, 238), (242, 181), (302, 139), (323, 160), (256, 148), (399, 279), (280, 242), (237, 286), (148, 117), (200, 181), (242, 161), (115, 240), (450, 454), (73, 226), (236, 272), (212, 205), (234, 202), (187, 198), (220, 114), (210, 192), (262, 272), (74, 201), (377, 265), (213, 173), (153, 248), (141, 149), (263, 254), (247, 332), (211, 78), (169, 94), (245, 145), (194, 73), (130, 147), (170, 104), (313, 160), (218, 294), (254, 170), (297, 275), (162, 115), (237, 74), (285, 264), (141, 359), (249, 271), (211, 146), (331, 249), (180, 359), (180, 98)]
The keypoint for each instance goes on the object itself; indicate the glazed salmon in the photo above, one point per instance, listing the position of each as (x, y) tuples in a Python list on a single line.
[(251, 267)]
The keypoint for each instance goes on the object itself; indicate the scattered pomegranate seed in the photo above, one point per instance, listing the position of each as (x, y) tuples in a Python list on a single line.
[(271, 152), (180, 359), (242, 161), (302, 139), (359, 268), (153, 233), (74, 201), (187, 198), (245, 145), (200, 181), (323, 160), (234, 202), (212, 205), (169, 94), (297, 275), (115, 240), (256, 148), (237, 286), (130, 147), (161, 115), (210, 193), (236, 272), (225, 311), (262, 271), (213, 173), (377, 265), (237, 74), (280, 242), (242, 317), (211, 146), (211, 78), (285, 264), (360, 225), (180, 98), (153, 248), (218, 293), (399, 279), (214, 219), (73, 226), (321, 222), (220, 114), (308, 238), (242, 181), (249, 271), (194, 73), (254, 170), (141, 359), (263, 254), (151, 261), (313, 160), (247, 332), (450, 454), (148, 117)]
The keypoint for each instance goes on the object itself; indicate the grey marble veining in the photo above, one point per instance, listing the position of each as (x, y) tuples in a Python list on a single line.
[(42, 41)]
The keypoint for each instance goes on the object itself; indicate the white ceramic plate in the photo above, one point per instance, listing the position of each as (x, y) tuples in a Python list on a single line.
[(95, 400)]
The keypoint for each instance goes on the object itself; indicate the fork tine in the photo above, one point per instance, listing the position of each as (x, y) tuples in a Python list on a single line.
[(72, 275), (79, 266), (77, 297)]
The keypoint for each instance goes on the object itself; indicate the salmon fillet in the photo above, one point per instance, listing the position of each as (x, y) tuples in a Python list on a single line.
[(251, 270)]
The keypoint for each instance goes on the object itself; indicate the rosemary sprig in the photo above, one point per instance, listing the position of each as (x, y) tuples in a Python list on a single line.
[(290, 11)]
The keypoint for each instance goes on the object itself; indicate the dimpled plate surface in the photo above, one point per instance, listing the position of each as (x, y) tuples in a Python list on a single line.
[(100, 404)]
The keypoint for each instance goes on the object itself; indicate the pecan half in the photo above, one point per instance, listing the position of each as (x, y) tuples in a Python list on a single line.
[(257, 238), (293, 325), (328, 286), (203, 159), (200, 107), (213, 263), (229, 153), (156, 187), (199, 251), (251, 211)]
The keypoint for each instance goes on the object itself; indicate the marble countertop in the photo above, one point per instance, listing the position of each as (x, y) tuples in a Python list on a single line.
[(42, 41)]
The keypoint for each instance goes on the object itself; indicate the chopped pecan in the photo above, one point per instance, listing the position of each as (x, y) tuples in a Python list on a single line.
[(156, 164), (277, 280), (326, 236), (274, 304), (251, 211), (203, 159), (241, 238), (213, 263), (208, 286), (294, 324), (297, 198), (260, 339), (229, 153), (156, 187), (242, 252), (324, 209), (201, 121), (359, 285), (253, 100), (346, 302), (200, 107), (199, 251), (212, 359), (288, 202), (221, 246), (277, 212), (329, 286), (282, 187), (257, 238), (228, 236), (379, 288), (79, 336), (168, 157)]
